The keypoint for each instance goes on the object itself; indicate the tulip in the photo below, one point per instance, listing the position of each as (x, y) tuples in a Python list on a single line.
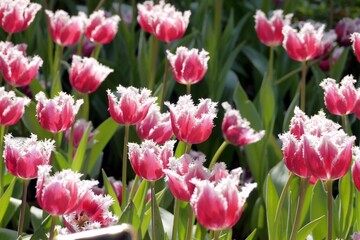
[(355, 170), (11, 107), (80, 127), (345, 28), (355, 39)]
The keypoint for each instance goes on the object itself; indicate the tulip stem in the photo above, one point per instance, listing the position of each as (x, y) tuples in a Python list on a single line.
[(85, 107), (124, 165), (176, 219), (345, 125), (330, 199), (271, 64), (288, 75), (23, 207), (188, 89), (153, 206), (304, 182), (134, 188), (80, 46), (99, 5), (216, 234), (96, 52), (166, 70), (2, 164), (218, 153), (188, 148), (189, 226), (70, 145), (303, 85), (8, 39), (52, 227), (58, 140)]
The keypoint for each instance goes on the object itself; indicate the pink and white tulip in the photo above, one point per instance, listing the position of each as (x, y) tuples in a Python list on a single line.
[(57, 114), (190, 123), (355, 39), (86, 74), (23, 155), (80, 127), (188, 65), (11, 107)]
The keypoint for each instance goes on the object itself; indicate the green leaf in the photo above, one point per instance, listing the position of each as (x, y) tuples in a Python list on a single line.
[(272, 200), (346, 195), (37, 216), (308, 228), (318, 209), (167, 220), (252, 235), (105, 131), (5, 199), (159, 229), (79, 158), (130, 215), (290, 112), (140, 197), (36, 87), (41, 232), (180, 149), (336, 70), (12, 210), (109, 189), (61, 160), (256, 58), (7, 233)]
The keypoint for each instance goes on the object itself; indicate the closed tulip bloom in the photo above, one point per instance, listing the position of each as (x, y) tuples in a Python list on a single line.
[(355, 170), (305, 44), (11, 107), (269, 31), (61, 193), (190, 123), (340, 100), (156, 126), (101, 29), (149, 159), (145, 10), (23, 155), (17, 69), (227, 202), (79, 129), (236, 130), (131, 106), (345, 28), (57, 114), (91, 213), (181, 171), (65, 30), (188, 65), (355, 39), (86, 74), (16, 16)]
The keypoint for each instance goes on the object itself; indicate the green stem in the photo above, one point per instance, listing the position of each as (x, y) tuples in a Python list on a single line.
[(218, 153), (304, 182), (216, 234), (189, 226), (134, 187), (188, 148), (2, 164), (281, 202), (344, 122), (55, 75), (288, 75), (23, 208), (303, 86), (271, 65), (124, 165), (188, 89), (99, 5), (52, 227), (330, 199), (153, 206), (58, 139), (96, 52), (162, 99), (70, 145), (85, 107), (176, 219), (80, 46), (8, 39)]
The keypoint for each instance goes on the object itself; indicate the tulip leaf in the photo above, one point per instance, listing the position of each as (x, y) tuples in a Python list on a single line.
[(140, 197), (105, 131), (110, 190), (37, 216), (5, 199), (317, 210), (7, 233), (308, 228), (180, 149), (356, 227), (77, 164), (36, 87), (61, 160), (252, 235), (129, 215), (272, 200), (12, 210), (41, 232), (346, 195), (337, 69)]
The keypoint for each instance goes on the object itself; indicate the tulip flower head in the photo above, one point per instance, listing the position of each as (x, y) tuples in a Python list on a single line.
[(23, 155), (131, 106), (61, 193), (101, 29), (180, 173), (355, 39), (269, 31), (325, 64), (345, 28), (305, 44), (355, 170), (80, 127), (227, 202), (190, 123), (145, 10), (16, 16), (11, 107), (188, 65), (57, 114), (86, 74), (236, 130), (65, 30), (18, 69), (156, 126), (149, 159), (340, 100)]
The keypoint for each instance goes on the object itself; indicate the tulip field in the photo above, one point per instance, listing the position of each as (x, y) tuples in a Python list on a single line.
[(180, 119)]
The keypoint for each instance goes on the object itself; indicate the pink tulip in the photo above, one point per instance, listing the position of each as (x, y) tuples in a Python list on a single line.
[(57, 114), (190, 123), (305, 44), (61, 193), (132, 105), (188, 65), (227, 202), (340, 100), (181, 171), (156, 126), (145, 10), (236, 130), (16, 16), (18, 69), (80, 127), (65, 30), (91, 213), (23, 155), (11, 107), (269, 31), (355, 170), (86, 74), (355, 39), (344, 29), (101, 29), (298, 123), (149, 159)]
